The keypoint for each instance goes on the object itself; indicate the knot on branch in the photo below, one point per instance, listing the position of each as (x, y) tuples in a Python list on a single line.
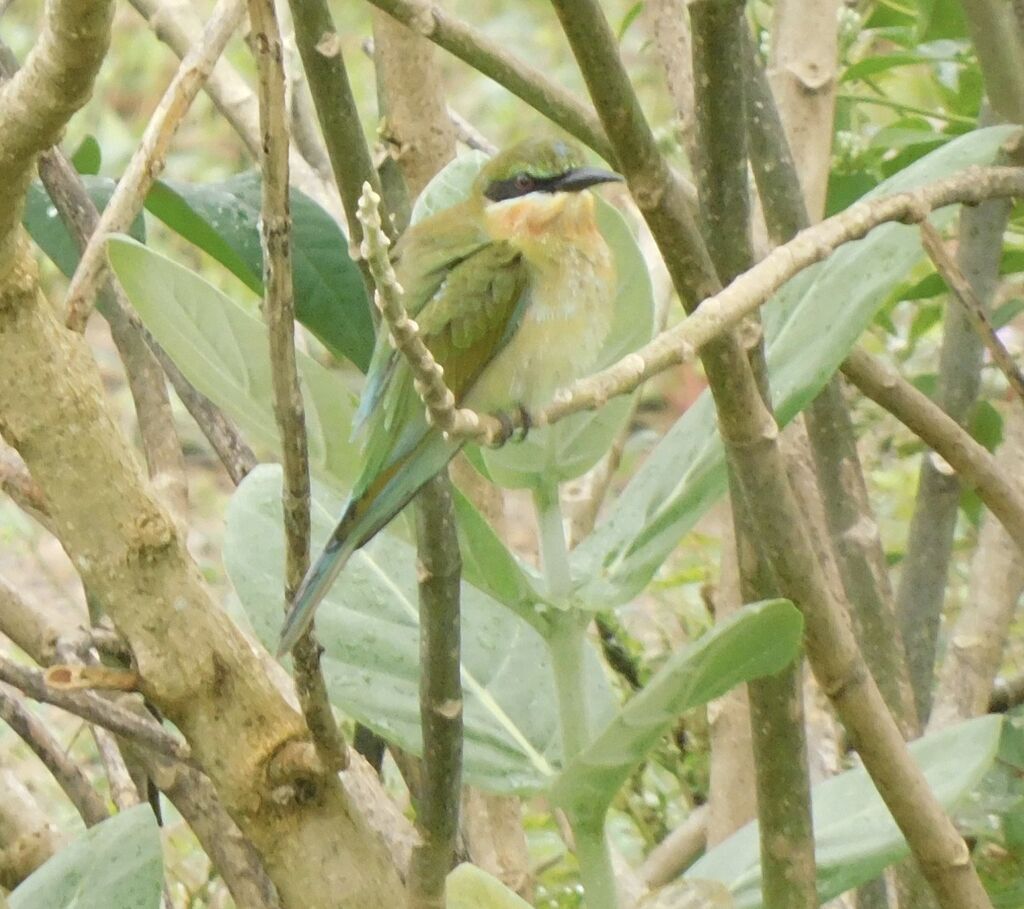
[(295, 774)]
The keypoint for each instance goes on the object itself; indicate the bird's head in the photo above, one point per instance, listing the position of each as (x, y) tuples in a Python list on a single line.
[(536, 185)]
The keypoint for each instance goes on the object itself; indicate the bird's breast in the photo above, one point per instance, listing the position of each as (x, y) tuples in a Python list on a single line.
[(567, 317)]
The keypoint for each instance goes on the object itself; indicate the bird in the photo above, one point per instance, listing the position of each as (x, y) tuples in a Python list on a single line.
[(513, 292)]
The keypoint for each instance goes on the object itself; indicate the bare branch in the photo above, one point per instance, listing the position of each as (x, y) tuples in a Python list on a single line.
[(964, 294), (27, 838), (95, 709), (148, 161), (176, 23), (915, 410), (38, 101), (493, 60), (66, 772), (279, 313)]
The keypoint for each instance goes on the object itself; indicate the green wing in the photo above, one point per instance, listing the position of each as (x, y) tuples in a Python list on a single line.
[(468, 317)]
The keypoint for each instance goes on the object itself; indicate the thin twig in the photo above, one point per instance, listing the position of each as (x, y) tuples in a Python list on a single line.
[(70, 777), (222, 434), (177, 24), (148, 161), (95, 709), (915, 410), (279, 313), (964, 294)]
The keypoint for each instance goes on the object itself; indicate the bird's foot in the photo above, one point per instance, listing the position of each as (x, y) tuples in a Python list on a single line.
[(508, 426)]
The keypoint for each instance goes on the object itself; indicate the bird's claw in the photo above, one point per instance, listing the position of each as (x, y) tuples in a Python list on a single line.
[(508, 427)]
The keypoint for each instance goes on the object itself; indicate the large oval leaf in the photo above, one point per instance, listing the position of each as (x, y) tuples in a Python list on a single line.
[(118, 864), (855, 837), (46, 228), (810, 326), (223, 220), (368, 625), (573, 446), (757, 640), (223, 351)]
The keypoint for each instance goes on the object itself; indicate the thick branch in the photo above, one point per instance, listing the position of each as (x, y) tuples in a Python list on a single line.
[(38, 101), (197, 667)]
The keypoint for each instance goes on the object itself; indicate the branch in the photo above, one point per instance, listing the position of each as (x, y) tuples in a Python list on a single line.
[(852, 528), (979, 636), (977, 315), (148, 161), (69, 776), (750, 435), (146, 380), (96, 710), (779, 741), (441, 702), (493, 60), (27, 838), (947, 438), (16, 482), (233, 856), (320, 48), (198, 669), (38, 101), (176, 23), (717, 314), (279, 313)]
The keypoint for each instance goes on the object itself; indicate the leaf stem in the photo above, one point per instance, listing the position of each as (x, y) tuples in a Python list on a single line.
[(566, 640)]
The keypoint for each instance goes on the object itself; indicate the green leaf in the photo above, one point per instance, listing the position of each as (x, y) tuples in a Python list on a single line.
[(810, 325), (757, 640), (87, 158), (223, 220), (118, 864), (573, 446), (488, 564), (1007, 312), (469, 887), (48, 231), (986, 424), (368, 625), (223, 351), (855, 836)]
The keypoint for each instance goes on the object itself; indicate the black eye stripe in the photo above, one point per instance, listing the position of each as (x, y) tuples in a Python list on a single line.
[(499, 190)]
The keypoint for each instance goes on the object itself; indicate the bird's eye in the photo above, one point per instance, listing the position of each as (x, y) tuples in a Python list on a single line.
[(524, 182)]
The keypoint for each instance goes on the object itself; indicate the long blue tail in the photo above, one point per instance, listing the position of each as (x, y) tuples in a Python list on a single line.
[(318, 581), (362, 519)]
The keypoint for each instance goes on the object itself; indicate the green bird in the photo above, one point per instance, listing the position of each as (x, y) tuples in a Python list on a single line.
[(513, 293)]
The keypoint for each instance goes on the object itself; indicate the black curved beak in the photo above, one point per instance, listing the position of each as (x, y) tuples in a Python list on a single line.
[(583, 177)]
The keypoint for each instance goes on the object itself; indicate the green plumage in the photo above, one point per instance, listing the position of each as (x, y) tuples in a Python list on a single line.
[(469, 291)]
